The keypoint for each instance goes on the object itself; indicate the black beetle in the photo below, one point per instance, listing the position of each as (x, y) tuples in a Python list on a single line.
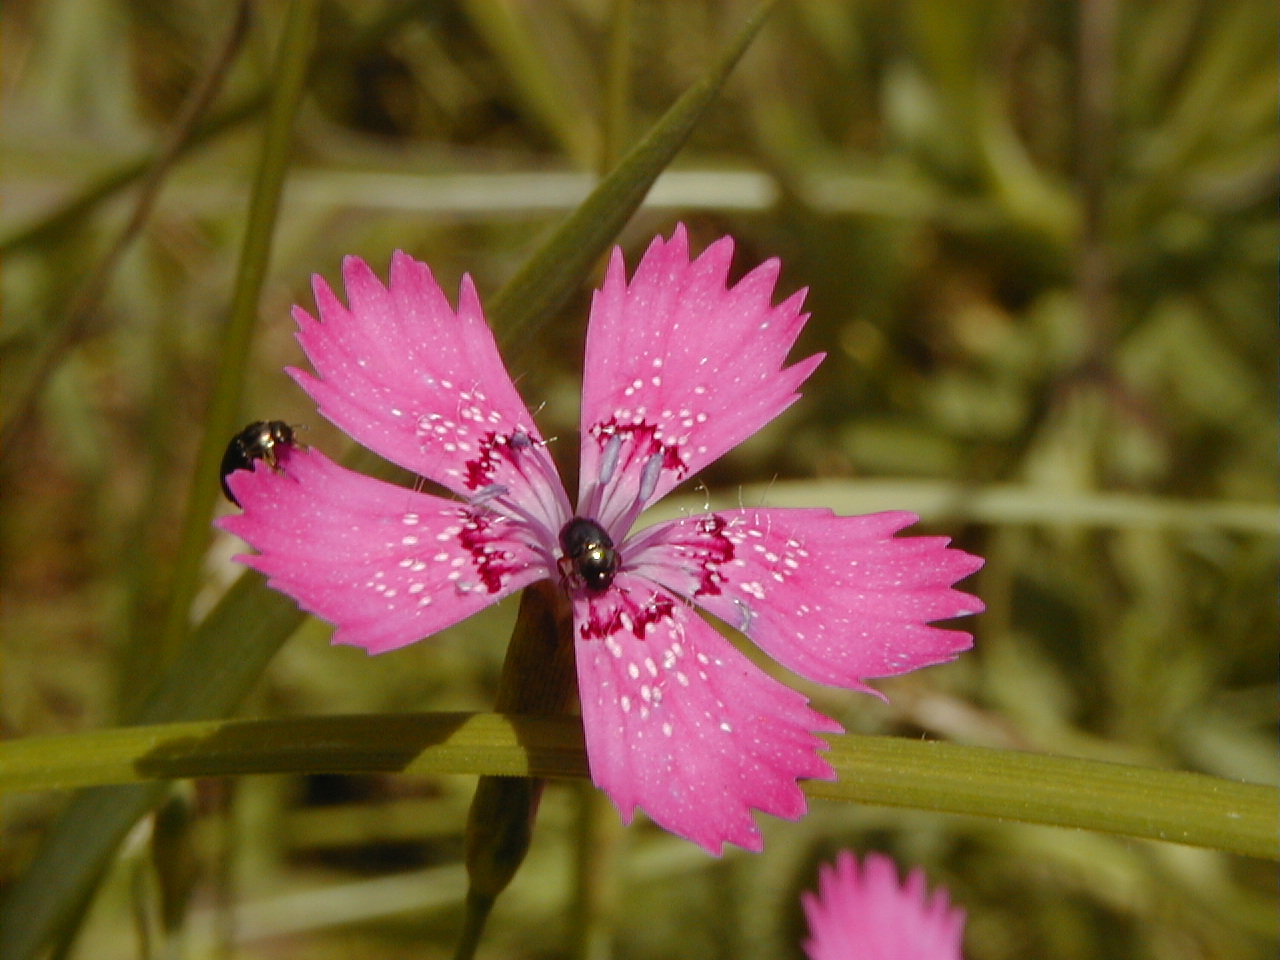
[(588, 553), (261, 440)]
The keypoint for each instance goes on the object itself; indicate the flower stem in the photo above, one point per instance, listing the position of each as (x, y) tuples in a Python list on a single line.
[(537, 678), (473, 921)]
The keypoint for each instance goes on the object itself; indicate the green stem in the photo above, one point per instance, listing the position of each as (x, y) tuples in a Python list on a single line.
[(600, 842), (475, 916), (537, 679)]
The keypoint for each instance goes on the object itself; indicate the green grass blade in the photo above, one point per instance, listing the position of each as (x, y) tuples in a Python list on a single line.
[(1171, 805), (1174, 805), (223, 416), (551, 275)]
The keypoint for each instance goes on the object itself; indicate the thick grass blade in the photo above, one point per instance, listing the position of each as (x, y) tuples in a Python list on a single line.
[(1171, 805)]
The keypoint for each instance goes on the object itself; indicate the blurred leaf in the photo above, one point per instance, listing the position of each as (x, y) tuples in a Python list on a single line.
[(550, 276), (536, 82), (1001, 504)]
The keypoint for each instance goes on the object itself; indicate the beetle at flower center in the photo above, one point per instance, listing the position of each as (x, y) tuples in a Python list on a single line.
[(589, 555)]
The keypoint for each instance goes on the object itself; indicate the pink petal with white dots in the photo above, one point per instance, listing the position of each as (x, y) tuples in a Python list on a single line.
[(835, 599), (386, 565), (864, 913), (414, 380), (679, 369), (682, 725)]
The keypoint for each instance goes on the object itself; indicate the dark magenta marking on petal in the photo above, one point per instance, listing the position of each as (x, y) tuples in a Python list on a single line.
[(623, 613), (644, 443), (710, 553), (492, 562), (494, 448)]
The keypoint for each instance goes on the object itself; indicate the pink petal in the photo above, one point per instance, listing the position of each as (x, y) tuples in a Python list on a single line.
[(410, 378), (867, 915), (835, 599), (386, 565), (682, 725), (679, 370)]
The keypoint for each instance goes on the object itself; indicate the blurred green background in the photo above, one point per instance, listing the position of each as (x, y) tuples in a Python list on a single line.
[(1040, 244)]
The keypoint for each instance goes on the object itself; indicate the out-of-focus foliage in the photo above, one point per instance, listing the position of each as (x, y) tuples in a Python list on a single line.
[(1040, 250)]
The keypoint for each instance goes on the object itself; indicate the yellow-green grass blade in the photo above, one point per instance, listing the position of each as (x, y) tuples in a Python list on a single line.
[(1171, 805)]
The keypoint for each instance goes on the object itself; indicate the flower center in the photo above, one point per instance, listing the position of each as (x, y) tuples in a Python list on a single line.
[(589, 555)]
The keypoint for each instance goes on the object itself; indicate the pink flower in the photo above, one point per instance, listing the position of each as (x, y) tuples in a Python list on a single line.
[(866, 915), (679, 369)]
